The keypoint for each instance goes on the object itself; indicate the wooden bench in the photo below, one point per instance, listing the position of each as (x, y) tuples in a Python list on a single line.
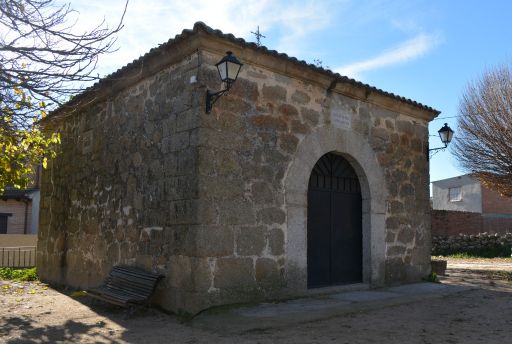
[(127, 286)]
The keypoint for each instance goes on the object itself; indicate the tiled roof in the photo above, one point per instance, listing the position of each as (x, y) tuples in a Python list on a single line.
[(200, 26), (13, 193)]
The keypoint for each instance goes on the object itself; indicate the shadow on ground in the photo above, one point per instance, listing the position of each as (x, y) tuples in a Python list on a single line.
[(481, 313), (97, 322), (70, 331), (495, 280)]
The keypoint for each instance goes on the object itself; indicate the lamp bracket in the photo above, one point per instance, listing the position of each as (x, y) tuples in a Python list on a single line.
[(212, 97), (435, 150)]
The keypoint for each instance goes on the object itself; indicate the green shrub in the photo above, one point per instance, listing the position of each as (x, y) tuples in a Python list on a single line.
[(484, 252), (29, 274), (432, 277), (482, 245)]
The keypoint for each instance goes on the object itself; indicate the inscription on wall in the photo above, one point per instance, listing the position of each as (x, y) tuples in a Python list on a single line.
[(341, 119)]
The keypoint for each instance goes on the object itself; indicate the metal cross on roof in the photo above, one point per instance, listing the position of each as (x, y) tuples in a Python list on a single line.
[(258, 36)]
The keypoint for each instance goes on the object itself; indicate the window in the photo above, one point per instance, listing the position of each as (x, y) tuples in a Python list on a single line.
[(454, 194), (3, 223)]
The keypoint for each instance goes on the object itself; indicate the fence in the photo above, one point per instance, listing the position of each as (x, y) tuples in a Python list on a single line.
[(18, 257)]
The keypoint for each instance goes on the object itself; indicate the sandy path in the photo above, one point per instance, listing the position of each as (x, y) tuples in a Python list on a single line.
[(33, 313)]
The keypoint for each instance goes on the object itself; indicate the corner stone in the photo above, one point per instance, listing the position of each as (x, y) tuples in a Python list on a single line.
[(231, 272)]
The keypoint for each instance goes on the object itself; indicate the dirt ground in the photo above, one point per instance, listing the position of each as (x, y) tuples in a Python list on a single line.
[(32, 312)]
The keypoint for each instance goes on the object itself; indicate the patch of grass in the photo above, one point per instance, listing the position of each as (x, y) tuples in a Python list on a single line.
[(481, 253), (468, 257), (432, 278), (463, 255), (487, 251), (29, 274), (78, 293)]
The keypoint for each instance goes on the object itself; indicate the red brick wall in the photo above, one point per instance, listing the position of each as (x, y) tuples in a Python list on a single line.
[(16, 222), (493, 202), (447, 222), (496, 225)]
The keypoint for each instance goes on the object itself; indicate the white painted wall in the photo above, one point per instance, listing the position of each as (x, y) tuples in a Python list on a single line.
[(35, 196), (471, 199)]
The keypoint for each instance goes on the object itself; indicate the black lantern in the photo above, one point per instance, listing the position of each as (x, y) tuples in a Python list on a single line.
[(228, 69), (446, 135)]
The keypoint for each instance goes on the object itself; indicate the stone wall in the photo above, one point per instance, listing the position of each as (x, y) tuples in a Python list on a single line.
[(214, 201), (124, 187), (482, 244), (254, 137)]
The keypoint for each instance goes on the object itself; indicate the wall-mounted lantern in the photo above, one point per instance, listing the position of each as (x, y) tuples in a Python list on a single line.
[(228, 68), (446, 135)]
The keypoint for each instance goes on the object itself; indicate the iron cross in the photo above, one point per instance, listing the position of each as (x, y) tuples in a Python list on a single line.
[(258, 36)]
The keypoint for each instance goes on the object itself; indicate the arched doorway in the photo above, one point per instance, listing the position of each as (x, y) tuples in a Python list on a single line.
[(334, 222)]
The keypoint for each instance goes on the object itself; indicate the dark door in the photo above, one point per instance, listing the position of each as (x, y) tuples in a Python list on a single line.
[(3, 223), (334, 223)]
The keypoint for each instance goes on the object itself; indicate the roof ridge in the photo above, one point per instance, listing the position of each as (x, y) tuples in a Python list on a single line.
[(201, 26)]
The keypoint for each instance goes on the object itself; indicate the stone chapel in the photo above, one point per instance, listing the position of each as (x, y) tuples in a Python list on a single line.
[(300, 181)]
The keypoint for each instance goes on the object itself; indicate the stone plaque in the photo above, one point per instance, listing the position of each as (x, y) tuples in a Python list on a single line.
[(341, 119)]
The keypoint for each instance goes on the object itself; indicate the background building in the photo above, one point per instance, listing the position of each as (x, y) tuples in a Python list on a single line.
[(19, 209), (463, 205)]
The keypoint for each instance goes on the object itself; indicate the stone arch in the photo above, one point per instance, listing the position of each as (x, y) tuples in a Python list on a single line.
[(361, 156)]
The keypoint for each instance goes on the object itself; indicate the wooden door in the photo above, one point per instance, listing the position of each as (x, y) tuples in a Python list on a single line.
[(334, 223)]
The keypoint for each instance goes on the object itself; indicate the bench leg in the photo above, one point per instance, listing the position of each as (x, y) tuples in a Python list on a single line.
[(130, 311)]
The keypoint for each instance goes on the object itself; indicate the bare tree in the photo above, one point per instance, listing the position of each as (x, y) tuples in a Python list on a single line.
[(43, 60), (484, 143)]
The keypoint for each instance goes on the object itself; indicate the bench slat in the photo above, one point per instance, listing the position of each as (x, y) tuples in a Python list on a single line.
[(118, 291), (130, 287), (134, 272), (135, 284)]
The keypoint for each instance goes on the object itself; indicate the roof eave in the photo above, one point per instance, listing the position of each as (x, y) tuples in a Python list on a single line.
[(251, 54), (204, 37)]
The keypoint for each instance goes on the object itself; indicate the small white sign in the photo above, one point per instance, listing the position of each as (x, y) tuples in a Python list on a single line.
[(341, 119)]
